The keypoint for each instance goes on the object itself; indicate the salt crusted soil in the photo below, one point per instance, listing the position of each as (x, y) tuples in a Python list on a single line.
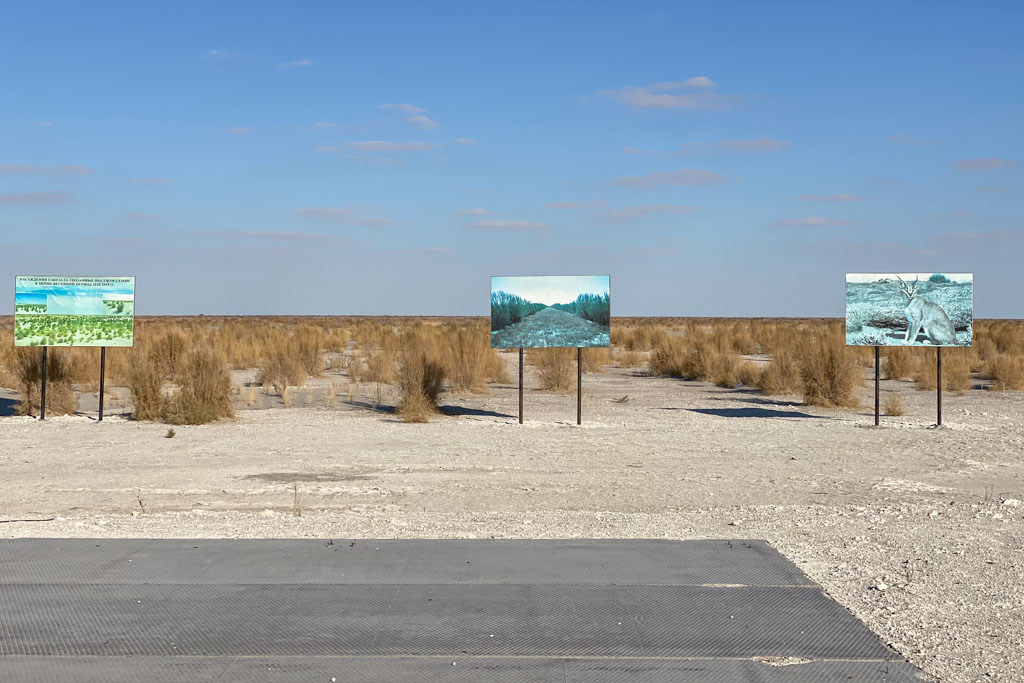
[(916, 529)]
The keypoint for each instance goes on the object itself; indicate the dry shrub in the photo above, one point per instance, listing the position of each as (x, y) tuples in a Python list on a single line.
[(671, 356), (899, 362), (956, 371), (204, 390), (308, 342), (28, 369), (469, 358), (145, 380), (782, 374), (555, 368), (749, 374), (596, 358), (167, 351), (893, 405), (831, 373), (630, 359), (1006, 372), (280, 368), (495, 368), (701, 355), (421, 376)]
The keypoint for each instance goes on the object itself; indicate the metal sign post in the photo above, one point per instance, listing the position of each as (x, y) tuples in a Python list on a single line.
[(876, 384), (579, 385), (42, 390), (520, 385), (103, 368), (938, 383)]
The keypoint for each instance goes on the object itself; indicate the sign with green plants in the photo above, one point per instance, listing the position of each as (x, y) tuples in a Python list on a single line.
[(550, 311), (74, 311), (909, 309)]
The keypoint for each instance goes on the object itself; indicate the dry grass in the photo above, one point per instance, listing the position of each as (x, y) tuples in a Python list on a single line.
[(893, 405), (204, 390), (28, 370), (956, 370), (555, 368), (145, 380), (899, 362), (1005, 371), (831, 372), (595, 359), (421, 376)]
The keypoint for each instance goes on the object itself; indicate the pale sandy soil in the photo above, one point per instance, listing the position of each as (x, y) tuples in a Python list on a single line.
[(915, 529)]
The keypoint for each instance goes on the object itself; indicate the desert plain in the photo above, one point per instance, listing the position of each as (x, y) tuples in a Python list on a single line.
[(917, 529)]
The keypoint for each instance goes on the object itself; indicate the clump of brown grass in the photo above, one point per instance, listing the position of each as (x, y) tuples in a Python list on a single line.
[(782, 374), (701, 355), (831, 373), (470, 362), (28, 369), (1006, 372), (167, 351), (956, 371), (204, 390), (893, 405), (899, 362), (554, 368), (630, 359), (281, 368), (421, 376), (145, 381), (596, 358)]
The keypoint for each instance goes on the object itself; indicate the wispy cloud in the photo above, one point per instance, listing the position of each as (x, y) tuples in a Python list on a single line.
[(758, 145), (58, 169), (216, 54), (295, 64), (662, 95), (595, 204), (346, 215), (812, 222), (288, 236), (385, 146), (406, 107), (45, 124), (991, 236), (325, 124), (237, 130), (28, 198), (507, 226), (992, 189), (904, 139), (141, 217), (471, 212), (985, 164), (685, 177), (422, 121), (634, 213), (833, 198), (148, 181), (465, 141)]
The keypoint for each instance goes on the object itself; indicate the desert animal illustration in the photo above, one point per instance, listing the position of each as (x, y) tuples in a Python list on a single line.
[(924, 314)]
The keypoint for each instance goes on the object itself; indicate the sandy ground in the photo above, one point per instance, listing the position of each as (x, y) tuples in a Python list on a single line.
[(916, 529)]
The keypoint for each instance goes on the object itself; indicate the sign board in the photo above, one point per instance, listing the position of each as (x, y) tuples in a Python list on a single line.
[(74, 311), (909, 309), (545, 311)]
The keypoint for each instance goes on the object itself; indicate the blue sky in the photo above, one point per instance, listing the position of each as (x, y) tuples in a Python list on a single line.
[(387, 158)]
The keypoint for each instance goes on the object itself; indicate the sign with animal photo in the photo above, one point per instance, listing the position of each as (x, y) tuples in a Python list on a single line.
[(74, 311), (549, 311), (909, 309)]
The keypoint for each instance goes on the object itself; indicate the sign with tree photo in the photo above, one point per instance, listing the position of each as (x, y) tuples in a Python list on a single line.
[(74, 311)]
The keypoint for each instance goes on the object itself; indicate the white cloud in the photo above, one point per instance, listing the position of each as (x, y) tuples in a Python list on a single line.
[(686, 177), (833, 198), (45, 124), (406, 107), (653, 96), (385, 146), (758, 145), (422, 121), (507, 226), (296, 64), (633, 213), (26, 198), (330, 149), (905, 139), (341, 214), (57, 169), (812, 222), (237, 130), (291, 236), (465, 141), (471, 212), (597, 203), (985, 164), (325, 124), (216, 54)]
